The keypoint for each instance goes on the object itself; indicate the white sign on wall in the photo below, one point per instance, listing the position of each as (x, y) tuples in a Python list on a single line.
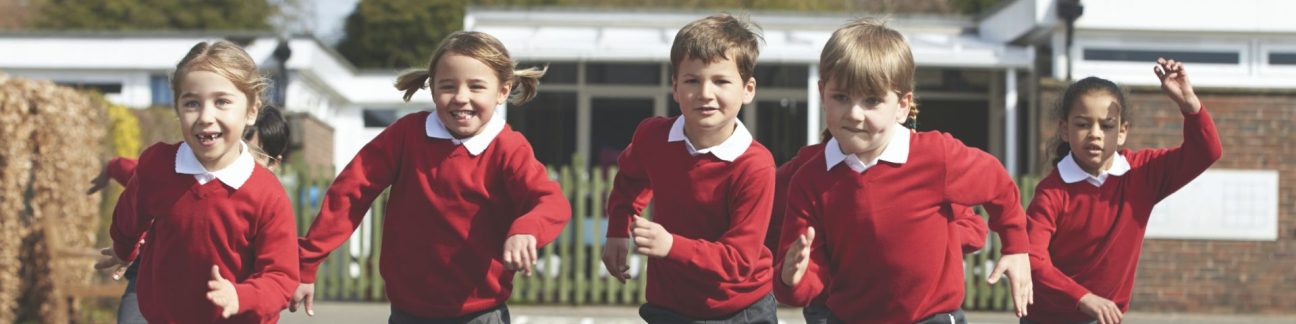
[(1220, 204)]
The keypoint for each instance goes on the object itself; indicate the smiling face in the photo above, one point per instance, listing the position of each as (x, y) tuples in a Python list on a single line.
[(1094, 130), (711, 94), (861, 124), (466, 92), (213, 114)]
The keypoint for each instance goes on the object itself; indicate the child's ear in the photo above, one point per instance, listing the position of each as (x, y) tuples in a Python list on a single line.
[(1121, 133), (505, 89), (749, 90), (906, 103), (253, 111), (1062, 132)]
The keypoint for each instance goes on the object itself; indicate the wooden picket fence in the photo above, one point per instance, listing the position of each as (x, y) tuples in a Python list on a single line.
[(569, 270)]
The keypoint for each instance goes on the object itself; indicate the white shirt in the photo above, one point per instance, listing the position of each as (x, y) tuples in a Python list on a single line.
[(729, 150), (1072, 173), (233, 175), (474, 144), (896, 151)]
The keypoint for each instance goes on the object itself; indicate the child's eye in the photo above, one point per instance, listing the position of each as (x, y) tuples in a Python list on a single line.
[(873, 101), (690, 81), (1108, 126), (190, 104), (840, 98)]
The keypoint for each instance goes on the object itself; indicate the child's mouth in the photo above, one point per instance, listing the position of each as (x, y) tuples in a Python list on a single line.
[(208, 138), (462, 114)]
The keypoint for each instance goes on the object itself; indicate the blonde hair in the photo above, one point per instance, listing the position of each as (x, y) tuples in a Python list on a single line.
[(486, 49), (227, 60), (717, 37), (868, 58)]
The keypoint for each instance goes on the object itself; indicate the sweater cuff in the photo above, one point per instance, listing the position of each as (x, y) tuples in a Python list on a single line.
[(308, 273), (1014, 242), (247, 297), (682, 249), (524, 225)]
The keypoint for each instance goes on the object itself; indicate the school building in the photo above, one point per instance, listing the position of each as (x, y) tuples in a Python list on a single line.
[(1226, 243)]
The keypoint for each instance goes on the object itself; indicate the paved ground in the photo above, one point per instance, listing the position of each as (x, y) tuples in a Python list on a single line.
[(334, 312)]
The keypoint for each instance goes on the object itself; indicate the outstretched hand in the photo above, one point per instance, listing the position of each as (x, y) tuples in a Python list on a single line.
[(1175, 84)]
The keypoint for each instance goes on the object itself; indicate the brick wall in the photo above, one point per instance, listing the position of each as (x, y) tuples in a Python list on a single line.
[(312, 142), (1258, 131)]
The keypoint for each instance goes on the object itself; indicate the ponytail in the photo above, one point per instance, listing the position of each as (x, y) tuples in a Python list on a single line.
[(526, 82), (411, 81)]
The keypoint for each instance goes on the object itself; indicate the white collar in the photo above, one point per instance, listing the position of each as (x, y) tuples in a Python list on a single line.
[(233, 175), (729, 150), (1072, 173), (475, 144), (896, 151)]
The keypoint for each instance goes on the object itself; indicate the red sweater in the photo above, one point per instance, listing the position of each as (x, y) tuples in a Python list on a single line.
[(121, 169), (717, 212), (1087, 239), (448, 215), (248, 232), (971, 228), (884, 235)]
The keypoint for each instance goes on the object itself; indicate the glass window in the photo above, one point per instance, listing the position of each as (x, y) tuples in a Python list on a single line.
[(782, 76), (623, 73), (379, 118), (549, 123), (1282, 58), (160, 86), (613, 122), (1214, 57), (782, 127)]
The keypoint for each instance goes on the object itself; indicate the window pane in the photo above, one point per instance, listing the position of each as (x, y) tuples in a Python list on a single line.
[(1216, 57), (613, 122), (160, 86), (782, 75), (1282, 58), (623, 73), (379, 118), (549, 123), (966, 120), (782, 127)]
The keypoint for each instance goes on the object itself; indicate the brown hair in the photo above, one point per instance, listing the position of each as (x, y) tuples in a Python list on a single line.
[(227, 60), (869, 58), (717, 37), (486, 49)]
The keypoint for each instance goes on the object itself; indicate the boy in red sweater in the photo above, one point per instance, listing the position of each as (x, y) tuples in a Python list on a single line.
[(969, 226), (469, 203), (211, 213), (713, 186), (1089, 215), (878, 197)]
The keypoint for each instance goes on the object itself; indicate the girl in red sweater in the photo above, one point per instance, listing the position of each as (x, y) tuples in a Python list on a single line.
[(469, 202), (1089, 215), (220, 228)]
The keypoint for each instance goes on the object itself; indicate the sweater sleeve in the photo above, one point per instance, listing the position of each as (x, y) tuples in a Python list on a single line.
[(274, 274), (544, 208), (801, 214), (971, 228), (128, 223), (1043, 212), (631, 189), (974, 177), (348, 199), (737, 254), (121, 169), (1176, 167)]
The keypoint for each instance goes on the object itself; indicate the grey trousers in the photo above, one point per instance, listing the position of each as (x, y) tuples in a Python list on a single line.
[(764, 311)]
